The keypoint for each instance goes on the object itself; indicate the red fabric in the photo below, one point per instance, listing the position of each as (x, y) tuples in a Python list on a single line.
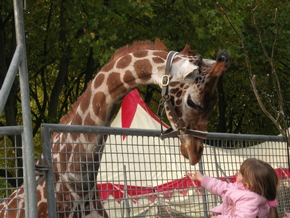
[(283, 173), (129, 107), (167, 189)]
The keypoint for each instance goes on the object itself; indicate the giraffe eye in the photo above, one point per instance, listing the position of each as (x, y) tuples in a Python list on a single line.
[(191, 104), (192, 75)]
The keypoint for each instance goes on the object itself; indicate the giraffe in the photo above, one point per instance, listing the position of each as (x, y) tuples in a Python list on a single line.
[(191, 87)]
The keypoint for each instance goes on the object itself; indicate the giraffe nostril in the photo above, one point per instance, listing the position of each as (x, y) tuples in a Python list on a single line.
[(200, 150)]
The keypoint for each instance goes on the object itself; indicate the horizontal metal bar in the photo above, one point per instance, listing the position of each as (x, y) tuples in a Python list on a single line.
[(11, 130), (99, 130), (234, 136), (146, 132)]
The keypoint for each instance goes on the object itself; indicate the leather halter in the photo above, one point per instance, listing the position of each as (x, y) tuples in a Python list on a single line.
[(165, 99)]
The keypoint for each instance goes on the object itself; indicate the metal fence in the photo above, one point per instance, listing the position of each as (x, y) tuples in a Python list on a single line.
[(17, 142), (11, 160), (141, 175)]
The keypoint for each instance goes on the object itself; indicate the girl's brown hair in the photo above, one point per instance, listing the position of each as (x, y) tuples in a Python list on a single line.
[(261, 179)]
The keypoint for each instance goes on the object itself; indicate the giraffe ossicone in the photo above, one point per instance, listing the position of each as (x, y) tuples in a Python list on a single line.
[(76, 158)]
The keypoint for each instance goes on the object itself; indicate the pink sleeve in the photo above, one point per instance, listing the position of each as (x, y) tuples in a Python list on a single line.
[(215, 186)]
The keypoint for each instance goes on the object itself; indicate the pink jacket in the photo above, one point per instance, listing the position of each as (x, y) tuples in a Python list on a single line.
[(237, 202)]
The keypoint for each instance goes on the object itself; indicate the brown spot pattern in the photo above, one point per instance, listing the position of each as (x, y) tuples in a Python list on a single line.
[(115, 85), (140, 54), (100, 105), (89, 121), (129, 78), (175, 83), (124, 61), (161, 54), (108, 67), (179, 93), (143, 69), (157, 60), (113, 81), (99, 80), (178, 102), (173, 91), (85, 102), (77, 120)]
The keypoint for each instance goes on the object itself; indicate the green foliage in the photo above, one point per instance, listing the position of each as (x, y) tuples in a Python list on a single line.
[(69, 41)]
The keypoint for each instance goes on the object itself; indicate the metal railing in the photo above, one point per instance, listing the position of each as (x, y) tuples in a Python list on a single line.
[(19, 65), (142, 175)]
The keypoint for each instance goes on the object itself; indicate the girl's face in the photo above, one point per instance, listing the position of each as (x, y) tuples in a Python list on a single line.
[(239, 177)]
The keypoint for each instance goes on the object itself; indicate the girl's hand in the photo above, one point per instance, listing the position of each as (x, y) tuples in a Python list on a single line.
[(195, 175)]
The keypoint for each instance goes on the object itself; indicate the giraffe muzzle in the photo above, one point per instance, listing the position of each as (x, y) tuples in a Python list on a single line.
[(192, 148)]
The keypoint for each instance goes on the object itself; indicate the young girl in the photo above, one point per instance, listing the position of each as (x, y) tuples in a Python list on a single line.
[(252, 195)]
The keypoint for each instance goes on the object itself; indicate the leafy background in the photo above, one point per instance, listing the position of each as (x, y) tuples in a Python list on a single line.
[(68, 41)]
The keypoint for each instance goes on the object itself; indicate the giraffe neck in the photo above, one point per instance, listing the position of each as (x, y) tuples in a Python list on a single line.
[(97, 104)]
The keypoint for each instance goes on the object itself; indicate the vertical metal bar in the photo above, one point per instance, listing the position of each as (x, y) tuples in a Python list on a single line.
[(214, 147), (204, 203), (51, 202), (288, 145), (27, 139), (216, 161), (126, 206)]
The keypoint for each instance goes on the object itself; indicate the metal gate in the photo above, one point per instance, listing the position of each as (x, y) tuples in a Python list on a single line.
[(142, 176)]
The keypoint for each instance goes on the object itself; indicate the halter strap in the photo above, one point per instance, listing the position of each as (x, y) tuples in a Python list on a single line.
[(166, 77), (165, 97)]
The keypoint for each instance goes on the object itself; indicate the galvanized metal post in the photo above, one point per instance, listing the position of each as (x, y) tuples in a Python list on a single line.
[(49, 175), (126, 205), (27, 137), (203, 193)]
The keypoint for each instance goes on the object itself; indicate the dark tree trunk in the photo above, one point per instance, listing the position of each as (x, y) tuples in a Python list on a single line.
[(222, 124), (62, 68)]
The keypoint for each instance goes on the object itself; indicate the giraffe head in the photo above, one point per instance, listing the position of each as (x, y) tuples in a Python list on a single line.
[(193, 94)]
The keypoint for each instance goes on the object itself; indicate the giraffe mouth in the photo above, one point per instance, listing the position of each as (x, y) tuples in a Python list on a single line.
[(191, 104), (192, 149)]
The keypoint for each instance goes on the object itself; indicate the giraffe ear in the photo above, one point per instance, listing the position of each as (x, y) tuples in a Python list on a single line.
[(187, 51)]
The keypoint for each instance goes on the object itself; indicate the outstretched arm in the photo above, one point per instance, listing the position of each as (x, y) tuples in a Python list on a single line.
[(213, 185)]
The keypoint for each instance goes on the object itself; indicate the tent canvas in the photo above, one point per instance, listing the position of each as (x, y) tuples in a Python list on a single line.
[(181, 194)]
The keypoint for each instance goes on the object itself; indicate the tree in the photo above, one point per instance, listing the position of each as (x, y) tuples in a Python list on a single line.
[(268, 90), (69, 41)]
